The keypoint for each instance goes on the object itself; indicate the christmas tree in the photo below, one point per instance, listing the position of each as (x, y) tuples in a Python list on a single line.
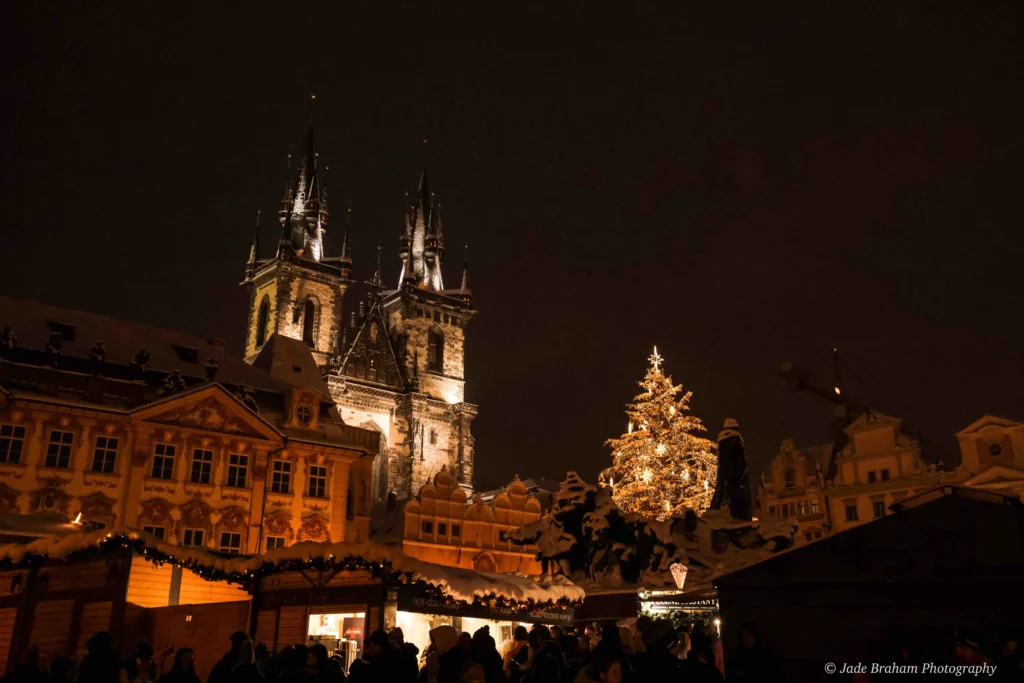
[(661, 469)]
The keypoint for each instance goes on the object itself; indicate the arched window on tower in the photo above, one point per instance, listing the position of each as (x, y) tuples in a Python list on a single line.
[(308, 319), (262, 320), (435, 350)]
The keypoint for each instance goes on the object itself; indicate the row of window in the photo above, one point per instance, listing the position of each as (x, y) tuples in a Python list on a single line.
[(442, 528), (58, 455), (877, 509), (798, 508), (815, 534), (437, 316), (58, 449), (230, 541), (880, 475), (281, 479)]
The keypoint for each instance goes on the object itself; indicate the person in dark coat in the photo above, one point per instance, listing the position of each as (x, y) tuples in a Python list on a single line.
[(548, 661), (183, 669), (385, 660), (657, 663), (699, 665), (62, 670), (221, 672), (483, 651), (245, 669), (101, 665), (408, 653)]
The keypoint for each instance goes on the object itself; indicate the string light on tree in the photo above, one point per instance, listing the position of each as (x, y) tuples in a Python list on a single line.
[(662, 469)]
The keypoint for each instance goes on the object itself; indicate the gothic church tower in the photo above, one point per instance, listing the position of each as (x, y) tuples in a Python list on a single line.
[(395, 364), (298, 292)]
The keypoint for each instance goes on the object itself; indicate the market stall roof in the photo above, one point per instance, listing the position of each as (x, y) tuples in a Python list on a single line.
[(461, 584)]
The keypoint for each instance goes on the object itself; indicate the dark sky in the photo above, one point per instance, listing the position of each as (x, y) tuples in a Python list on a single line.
[(738, 184)]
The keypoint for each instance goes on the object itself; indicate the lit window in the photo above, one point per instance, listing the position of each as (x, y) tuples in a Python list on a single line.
[(58, 453), (202, 466), (885, 475), (878, 507), (801, 508), (163, 461), (308, 320), (435, 351), (275, 542), (456, 530), (193, 537), (238, 470), (104, 456), (814, 507), (851, 512), (262, 320), (157, 531), (304, 414), (281, 477), (427, 527), (872, 477), (230, 542), (442, 529), (12, 441), (317, 481)]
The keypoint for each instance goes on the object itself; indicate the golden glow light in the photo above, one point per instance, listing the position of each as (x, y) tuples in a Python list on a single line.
[(652, 465)]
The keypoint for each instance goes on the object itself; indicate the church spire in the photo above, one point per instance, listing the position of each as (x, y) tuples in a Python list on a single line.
[(377, 280), (254, 250), (464, 292)]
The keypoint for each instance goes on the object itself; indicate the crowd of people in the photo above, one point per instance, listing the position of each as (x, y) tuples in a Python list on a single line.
[(650, 651), (655, 651)]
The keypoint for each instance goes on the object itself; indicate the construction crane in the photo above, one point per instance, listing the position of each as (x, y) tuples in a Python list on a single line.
[(845, 411)]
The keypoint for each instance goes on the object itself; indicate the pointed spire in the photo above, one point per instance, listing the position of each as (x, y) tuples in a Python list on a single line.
[(465, 273), (254, 251), (377, 280), (345, 247)]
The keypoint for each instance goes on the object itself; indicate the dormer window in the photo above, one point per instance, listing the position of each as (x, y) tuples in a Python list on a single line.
[(790, 478), (995, 449), (304, 414)]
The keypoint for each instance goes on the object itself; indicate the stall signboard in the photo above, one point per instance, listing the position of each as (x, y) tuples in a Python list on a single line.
[(415, 598)]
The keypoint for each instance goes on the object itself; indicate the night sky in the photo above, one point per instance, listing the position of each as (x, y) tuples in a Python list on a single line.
[(739, 185)]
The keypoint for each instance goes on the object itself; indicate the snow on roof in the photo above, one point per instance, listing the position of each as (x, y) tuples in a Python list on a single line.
[(460, 584), (291, 361), (33, 322)]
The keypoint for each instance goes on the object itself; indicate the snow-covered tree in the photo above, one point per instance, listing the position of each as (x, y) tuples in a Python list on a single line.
[(660, 467)]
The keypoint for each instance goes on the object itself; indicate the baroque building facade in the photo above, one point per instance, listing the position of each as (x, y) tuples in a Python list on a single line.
[(394, 363), (442, 525), (880, 465), (794, 488), (129, 425)]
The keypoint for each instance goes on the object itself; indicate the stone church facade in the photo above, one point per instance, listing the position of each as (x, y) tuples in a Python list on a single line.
[(394, 362)]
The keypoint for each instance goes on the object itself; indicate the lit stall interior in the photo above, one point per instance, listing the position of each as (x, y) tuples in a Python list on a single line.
[(341, 633), (416, 627)]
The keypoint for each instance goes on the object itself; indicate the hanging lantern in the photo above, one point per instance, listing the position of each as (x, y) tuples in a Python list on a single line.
[(679, 574)]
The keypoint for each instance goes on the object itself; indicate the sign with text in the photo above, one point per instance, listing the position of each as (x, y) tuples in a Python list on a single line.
[(414, 598)]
